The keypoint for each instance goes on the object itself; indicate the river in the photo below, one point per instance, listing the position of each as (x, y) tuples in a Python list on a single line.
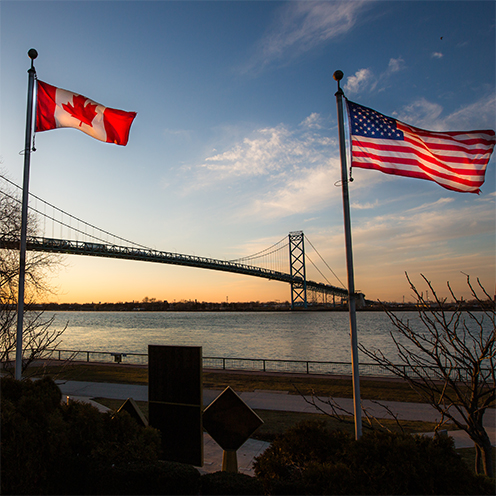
[(313, 336)]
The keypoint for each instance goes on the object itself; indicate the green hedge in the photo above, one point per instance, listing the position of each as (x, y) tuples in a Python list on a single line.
[(310, 459)]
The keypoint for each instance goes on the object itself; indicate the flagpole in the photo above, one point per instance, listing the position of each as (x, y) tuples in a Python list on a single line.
[(338, 75), (32, 53)]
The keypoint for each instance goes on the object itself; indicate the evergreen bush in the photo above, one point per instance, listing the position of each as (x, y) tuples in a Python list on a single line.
[(158, 477), (310, 459), (52, 448), (229, 483)]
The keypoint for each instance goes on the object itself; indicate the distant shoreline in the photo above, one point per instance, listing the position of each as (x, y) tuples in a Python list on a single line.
[(192, 306)]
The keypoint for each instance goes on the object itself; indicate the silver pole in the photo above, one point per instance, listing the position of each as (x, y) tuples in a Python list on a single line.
[(24, 215), (338, 75)]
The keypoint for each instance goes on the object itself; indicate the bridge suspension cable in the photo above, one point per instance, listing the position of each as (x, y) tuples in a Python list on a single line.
[(271, 263), (104, 237), (326, 264), (271, 249), (275, 256)]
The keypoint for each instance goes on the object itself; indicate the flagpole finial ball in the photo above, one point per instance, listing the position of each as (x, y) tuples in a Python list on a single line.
[(32, 54), (338, 75)]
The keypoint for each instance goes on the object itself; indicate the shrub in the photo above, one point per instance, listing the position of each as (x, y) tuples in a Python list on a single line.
[(310, 459), (64, 449), (402, 463), (158, 477), (33, 435), (229, 483)]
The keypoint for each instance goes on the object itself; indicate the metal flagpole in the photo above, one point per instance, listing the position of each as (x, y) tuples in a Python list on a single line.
[(32, 53), (338, 75)]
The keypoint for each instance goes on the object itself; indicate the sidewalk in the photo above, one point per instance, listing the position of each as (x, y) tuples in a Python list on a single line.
[(264, 400)]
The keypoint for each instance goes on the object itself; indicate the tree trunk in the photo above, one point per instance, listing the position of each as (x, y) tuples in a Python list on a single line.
[(477, 459), (483, 454), (487, 459)]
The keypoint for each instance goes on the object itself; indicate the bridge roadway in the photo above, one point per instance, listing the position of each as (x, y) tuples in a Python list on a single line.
[(148, 255)]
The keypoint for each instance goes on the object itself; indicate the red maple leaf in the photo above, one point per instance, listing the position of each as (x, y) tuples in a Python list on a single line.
[(78, 109)]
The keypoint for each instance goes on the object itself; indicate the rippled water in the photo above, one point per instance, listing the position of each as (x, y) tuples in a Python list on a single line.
[(316, 336)]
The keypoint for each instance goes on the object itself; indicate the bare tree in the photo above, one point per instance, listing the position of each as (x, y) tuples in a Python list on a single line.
[(449, 361), (38, 333), (331, 408)]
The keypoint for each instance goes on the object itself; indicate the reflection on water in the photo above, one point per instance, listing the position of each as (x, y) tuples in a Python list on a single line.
[(315, 336)]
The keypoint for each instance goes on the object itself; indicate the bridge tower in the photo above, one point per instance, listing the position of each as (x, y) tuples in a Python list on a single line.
[(297, 269)]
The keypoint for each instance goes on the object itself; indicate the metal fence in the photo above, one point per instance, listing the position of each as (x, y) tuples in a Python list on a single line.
[(219, 363), (249, 364)]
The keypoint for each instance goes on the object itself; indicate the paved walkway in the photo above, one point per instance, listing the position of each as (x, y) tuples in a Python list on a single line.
[(265, 400)]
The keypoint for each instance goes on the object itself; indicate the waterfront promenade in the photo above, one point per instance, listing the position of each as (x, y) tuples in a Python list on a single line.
[(265, 400)]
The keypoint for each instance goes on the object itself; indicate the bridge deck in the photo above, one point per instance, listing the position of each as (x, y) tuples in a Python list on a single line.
[(147, 255)]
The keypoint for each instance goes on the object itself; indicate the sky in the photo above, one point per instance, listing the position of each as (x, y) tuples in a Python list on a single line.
[(235, 143)]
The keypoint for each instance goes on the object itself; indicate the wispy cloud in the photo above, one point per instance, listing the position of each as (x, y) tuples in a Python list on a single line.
[(295, 168), (364, 206), (305, 191), (301, 26), (430, 206), (272, 150), (362, 79), (437, 238), (366, 80), (437, 55), (268, 150), (419, 233), (428, 115), (480, 114), (421, 113), (313, 121)]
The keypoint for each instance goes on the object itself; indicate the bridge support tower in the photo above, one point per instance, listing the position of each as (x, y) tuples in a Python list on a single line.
[(297, 270)]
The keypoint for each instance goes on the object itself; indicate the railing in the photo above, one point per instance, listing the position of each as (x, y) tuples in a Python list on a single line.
[(249, 364)]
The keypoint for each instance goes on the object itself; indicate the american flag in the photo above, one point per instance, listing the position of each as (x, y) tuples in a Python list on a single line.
[(456, 160)]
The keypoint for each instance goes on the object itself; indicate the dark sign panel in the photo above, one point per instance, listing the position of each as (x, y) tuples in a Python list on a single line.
[(175, 400), (230, 421)]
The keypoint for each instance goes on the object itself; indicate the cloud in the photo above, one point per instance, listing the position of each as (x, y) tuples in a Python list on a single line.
[(437, 55), (300, 27), (480, 114), (438, 238), (364, 206), (365, 79), (395, 65), (305, 191), (424, 232), (431, 205), (313, 121), (267, 151), (420, 113), (361, 80), (428, 115), (291, 169), (271, 150)]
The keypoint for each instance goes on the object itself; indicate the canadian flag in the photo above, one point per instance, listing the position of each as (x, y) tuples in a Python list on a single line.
[(56, 108)]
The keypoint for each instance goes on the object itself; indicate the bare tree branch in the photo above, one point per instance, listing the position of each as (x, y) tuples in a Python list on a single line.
[(38, 333), (450, 361), (340, 413)]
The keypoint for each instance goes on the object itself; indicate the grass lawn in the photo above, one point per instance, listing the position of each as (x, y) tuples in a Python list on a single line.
[(92, 372), (338, 387), (277, 422), (322, 386)]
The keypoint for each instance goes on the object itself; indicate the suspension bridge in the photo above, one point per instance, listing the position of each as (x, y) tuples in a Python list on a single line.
[(77, 237)]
